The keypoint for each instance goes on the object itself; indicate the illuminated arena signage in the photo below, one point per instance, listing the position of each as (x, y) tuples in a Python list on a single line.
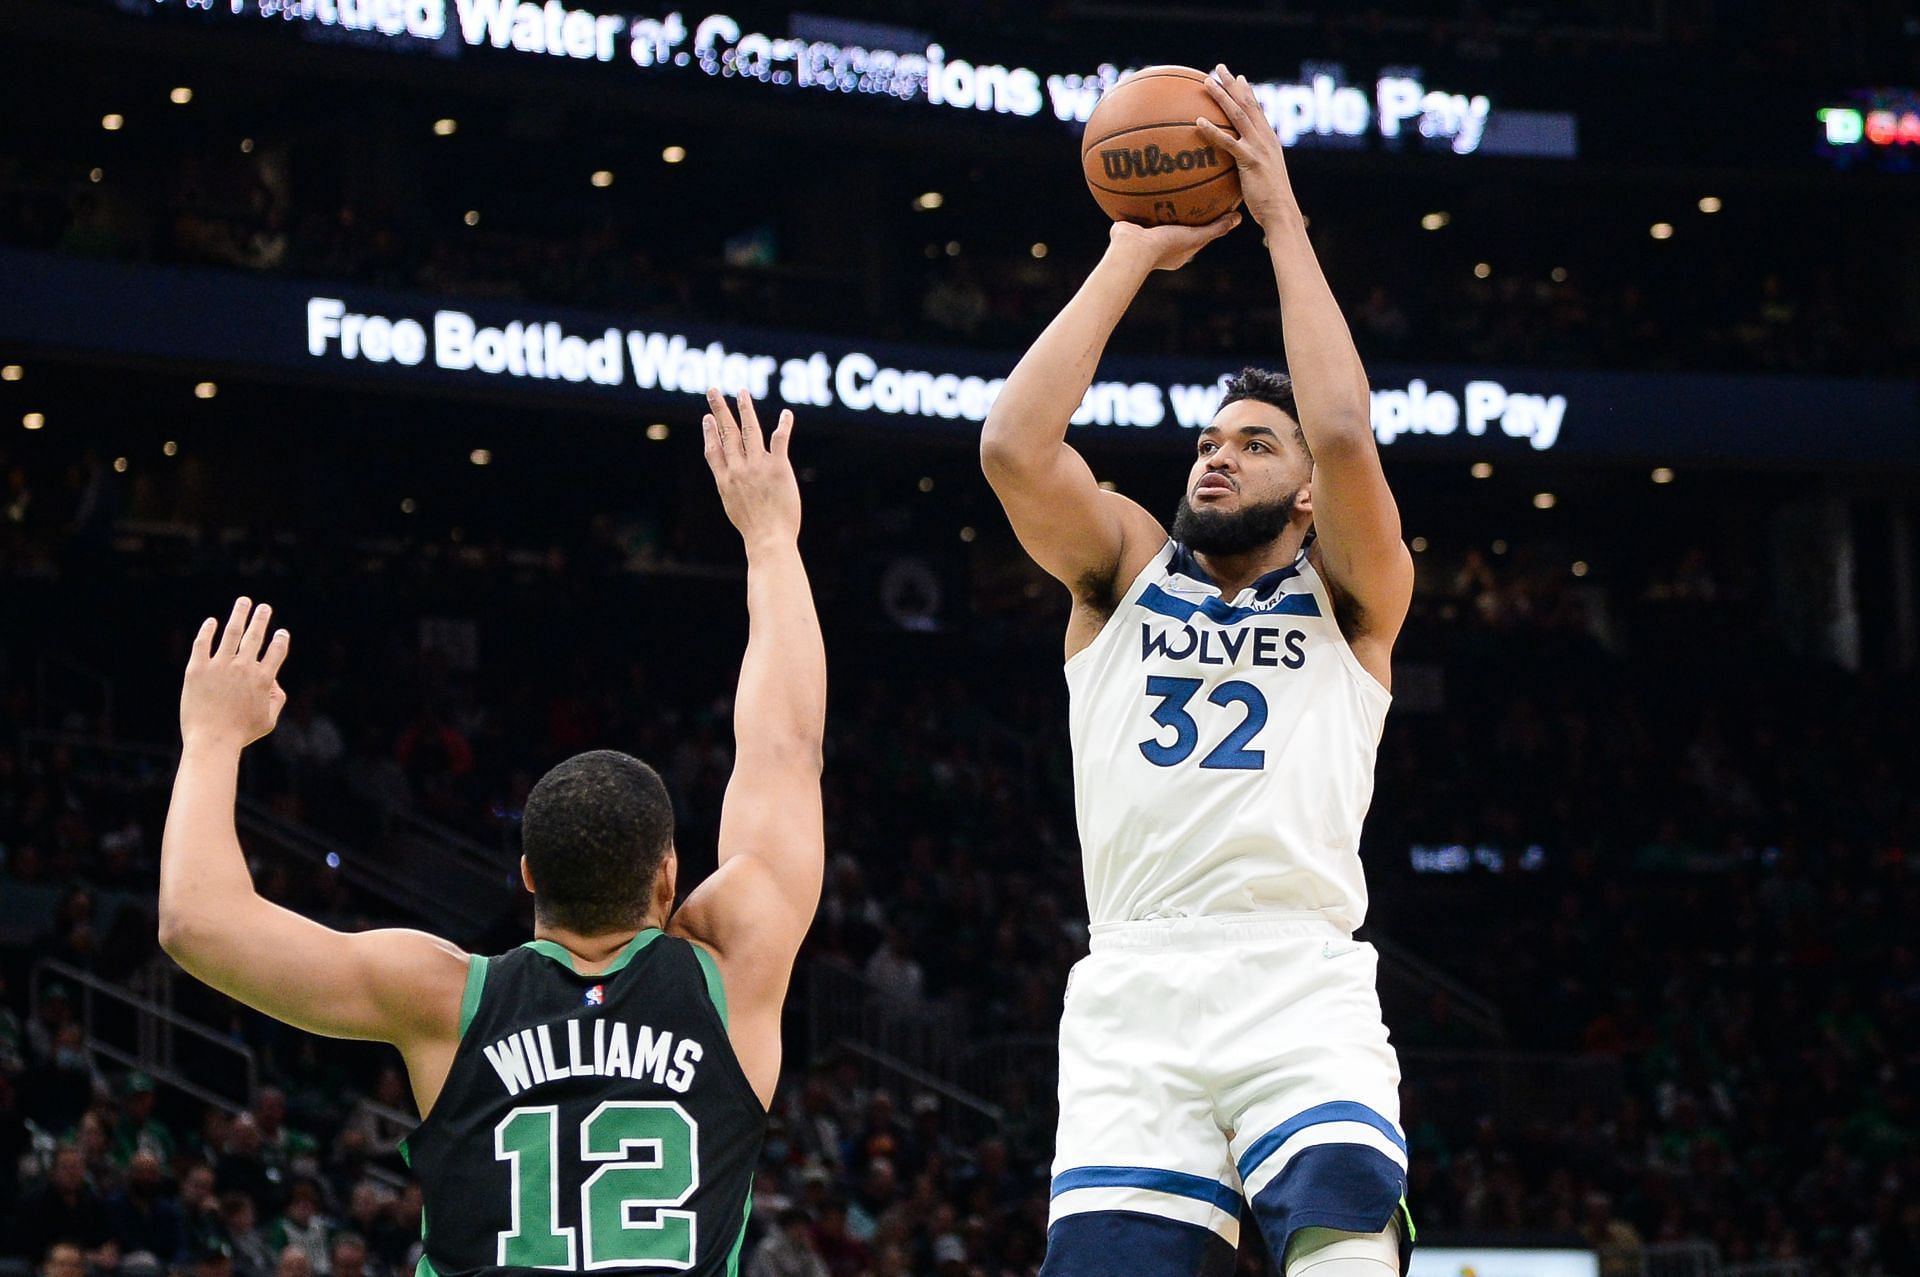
[(1880, 126), (533, 351), (824, 55), (206, 322)]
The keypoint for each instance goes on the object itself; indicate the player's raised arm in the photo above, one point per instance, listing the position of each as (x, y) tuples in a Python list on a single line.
[(772, 808), (1079, 533), (393, 986), (755, 911), (1353, 508)]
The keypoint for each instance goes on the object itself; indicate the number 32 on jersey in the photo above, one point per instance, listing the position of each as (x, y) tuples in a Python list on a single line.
[(1173, 711)]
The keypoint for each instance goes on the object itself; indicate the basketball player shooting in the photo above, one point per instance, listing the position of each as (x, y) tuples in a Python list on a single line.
[(596, 1098), (1222, 1043)]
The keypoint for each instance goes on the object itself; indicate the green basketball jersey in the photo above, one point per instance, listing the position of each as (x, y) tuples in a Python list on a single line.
[(590, 1122)]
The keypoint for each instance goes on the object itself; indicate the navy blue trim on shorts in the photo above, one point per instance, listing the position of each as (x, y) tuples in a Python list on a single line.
[(1101, 1243), (1332, 1111), (1352, 1187), (1176, 1183)]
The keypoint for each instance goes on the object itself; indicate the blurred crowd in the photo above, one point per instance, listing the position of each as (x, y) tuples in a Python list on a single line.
[(1708, 973), (1750, 313), (1684, 1001)]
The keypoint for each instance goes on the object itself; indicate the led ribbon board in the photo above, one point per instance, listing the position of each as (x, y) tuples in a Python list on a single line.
[(206, 322), (1395, 107), (928, 386)]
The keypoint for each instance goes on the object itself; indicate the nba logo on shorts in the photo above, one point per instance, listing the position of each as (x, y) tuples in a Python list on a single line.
[(596, 995)]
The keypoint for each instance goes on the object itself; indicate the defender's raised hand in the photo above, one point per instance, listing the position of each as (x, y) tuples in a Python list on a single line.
[(231, 694), (753, 912), (1255, 147), (754, 476)]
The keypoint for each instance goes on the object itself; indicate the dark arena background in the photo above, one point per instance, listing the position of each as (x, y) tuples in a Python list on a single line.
[(392, 312)]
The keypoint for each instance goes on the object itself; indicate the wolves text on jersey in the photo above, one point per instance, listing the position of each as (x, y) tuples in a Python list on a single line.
[(528, 1058), (1269, 646)]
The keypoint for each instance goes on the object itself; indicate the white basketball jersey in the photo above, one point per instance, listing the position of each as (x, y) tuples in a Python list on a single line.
[(1223, 749)]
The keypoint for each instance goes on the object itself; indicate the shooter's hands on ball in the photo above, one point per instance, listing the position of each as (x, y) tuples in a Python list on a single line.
[(753, 474), (231, 695), (1171, 246), (1255, 148)]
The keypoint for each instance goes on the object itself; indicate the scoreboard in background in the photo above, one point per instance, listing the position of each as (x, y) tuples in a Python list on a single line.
[(1873, 128)]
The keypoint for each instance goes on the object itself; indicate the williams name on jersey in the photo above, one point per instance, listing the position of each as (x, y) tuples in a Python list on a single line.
[(595, 1047), (591, 1122)]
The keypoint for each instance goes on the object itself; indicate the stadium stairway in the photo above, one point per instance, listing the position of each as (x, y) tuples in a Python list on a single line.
[(157, 1020), (413, 869), (137, 1027)]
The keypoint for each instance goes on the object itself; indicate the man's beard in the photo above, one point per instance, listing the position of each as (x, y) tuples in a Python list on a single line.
[(1232, 532)]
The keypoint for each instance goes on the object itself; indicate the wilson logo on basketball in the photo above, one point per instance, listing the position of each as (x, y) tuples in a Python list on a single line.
[(1123, 163)]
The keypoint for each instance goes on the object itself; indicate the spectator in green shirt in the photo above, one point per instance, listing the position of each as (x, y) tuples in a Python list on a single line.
[(139, 1130), (285, 1151)]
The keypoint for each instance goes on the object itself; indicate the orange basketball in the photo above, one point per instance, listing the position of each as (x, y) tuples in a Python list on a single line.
[(1146, 162)]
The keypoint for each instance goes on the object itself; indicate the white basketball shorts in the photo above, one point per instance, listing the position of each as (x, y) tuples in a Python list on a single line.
[(1207, 1062)]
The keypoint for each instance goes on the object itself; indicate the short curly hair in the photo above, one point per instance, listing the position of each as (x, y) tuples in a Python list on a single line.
[(1268, 387), (596, 830)]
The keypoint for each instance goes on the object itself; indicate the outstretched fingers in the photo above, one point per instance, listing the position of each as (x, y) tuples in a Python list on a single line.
[(256, 636), (1249, 101), (236, 627), (276, 653), (726, 429), (752, 441), (202, 649), (730, 441), (1229, 142), (1237, 102), (1220, 88), (1245, 107)]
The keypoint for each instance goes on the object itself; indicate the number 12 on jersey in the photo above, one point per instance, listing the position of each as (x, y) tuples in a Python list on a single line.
[(649, 1160), (1231, 754)]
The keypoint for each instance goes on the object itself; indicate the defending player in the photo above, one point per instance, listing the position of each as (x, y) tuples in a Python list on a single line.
[(1223, 1040), (596, 1098)]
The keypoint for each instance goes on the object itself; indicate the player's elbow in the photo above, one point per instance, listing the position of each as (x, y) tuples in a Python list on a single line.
[(996, 450), (806, 753), (180, 933), (796, 751), (191, 928), (1003, 453), (1013, 472)]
